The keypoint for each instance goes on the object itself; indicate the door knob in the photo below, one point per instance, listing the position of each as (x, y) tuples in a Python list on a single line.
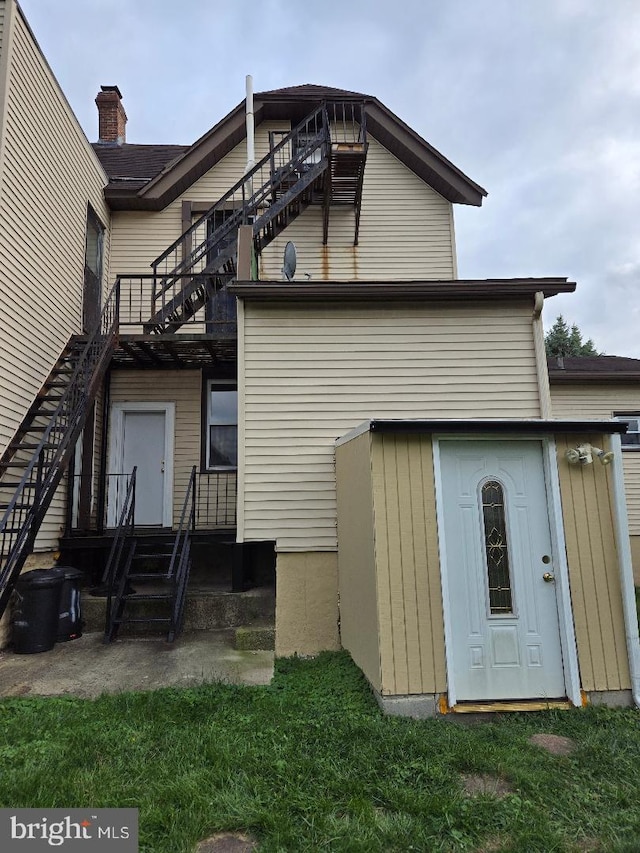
[(547, 577)]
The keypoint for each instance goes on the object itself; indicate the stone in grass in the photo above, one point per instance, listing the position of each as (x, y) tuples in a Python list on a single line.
[(555, 744), (482, 783), (227, 842)]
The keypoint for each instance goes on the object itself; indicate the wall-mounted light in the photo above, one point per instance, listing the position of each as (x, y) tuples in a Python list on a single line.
[(583, 455)]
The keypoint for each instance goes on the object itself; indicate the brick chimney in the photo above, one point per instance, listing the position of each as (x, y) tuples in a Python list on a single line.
[(112, 119)]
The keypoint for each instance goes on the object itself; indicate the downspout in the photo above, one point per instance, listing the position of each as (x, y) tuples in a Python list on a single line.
[(544, 391), (251, 145), (623, 546)]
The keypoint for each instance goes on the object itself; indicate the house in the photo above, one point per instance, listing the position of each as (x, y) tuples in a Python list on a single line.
[(605, 386), (375, 438)]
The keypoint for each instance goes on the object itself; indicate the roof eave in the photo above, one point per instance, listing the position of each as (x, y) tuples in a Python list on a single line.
[(437, 291), (410, 148), (619, 376)]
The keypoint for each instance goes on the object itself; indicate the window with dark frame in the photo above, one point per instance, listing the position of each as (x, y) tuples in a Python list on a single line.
[(222, 426), (631, 439)]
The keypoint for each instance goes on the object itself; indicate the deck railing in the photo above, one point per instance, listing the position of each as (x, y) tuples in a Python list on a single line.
[(215, 501), (206, 307)]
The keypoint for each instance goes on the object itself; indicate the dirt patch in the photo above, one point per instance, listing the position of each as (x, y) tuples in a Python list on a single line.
[(227, 842), (555, 744), (474, 784), (492, 845)]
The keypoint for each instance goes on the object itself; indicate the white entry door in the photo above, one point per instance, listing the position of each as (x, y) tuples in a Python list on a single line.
[(142, 437), (505, 634)]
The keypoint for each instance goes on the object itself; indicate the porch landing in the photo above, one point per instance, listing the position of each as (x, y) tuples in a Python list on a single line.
[(87, 668)]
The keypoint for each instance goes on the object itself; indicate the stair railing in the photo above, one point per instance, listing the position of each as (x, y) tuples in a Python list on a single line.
[(23, 516), (212, 236), (180, 564), (124, 532)]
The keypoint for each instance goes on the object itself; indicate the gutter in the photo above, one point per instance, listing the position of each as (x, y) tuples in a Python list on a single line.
[(626, 570)]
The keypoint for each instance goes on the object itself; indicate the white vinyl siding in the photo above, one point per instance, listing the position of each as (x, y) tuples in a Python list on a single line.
[(313, 373), (48, 174), (406, 231), (594, 400)]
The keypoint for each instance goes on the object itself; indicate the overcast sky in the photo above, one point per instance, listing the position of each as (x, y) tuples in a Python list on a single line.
[(536, 100)]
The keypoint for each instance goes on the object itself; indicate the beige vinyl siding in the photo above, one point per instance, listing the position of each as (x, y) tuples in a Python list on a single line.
[(138, 237), (408, 566), (593, 400), (596, 595), (405, 231), (312, 373), (48, 174), (182, 387), (359, 632)]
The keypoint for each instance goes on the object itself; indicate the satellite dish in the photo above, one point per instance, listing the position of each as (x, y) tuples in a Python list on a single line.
[(289, 262)]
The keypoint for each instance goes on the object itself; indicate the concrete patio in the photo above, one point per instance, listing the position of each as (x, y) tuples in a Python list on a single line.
[(86, 668)]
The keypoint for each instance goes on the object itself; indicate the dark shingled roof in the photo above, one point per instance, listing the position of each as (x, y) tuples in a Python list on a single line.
[(312, 90), (135, 165), (610, 368)]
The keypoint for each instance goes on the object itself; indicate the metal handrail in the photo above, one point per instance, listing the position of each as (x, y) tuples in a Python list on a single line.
[(180, 564), (245, 180), (125, 530), (24, 514)]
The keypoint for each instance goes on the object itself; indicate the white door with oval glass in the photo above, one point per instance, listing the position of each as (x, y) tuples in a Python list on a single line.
[(504, 628)]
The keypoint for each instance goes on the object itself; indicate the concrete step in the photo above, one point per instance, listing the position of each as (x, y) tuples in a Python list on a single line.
[(204, 610), (255, 638)]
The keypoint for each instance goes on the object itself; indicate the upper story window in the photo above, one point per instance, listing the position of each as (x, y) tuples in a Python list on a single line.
[(222, 426), (631, 439)]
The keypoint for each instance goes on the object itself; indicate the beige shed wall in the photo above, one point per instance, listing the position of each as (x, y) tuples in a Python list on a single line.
[(406, 231), (306, 604), (312, 373), (588, 513), (408, 566), (48, 174), (359, 631), (182, 387)]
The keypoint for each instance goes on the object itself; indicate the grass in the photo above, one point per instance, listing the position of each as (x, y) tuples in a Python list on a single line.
[(309, 763)]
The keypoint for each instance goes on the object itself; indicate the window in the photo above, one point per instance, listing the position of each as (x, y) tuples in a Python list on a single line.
[(496, 548), (631, 439), (222, 426)]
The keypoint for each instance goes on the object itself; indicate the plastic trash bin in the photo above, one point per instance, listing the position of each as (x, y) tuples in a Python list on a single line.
[(36, 611), (70, 614)]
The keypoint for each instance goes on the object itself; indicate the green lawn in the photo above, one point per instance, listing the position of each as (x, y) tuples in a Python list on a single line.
[(309, 763)]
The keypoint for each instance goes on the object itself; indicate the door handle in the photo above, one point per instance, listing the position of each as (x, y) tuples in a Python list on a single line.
[(547, 577), (162, 467)]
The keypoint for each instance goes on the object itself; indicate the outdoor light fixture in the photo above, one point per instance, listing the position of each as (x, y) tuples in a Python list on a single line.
[(583, 455)]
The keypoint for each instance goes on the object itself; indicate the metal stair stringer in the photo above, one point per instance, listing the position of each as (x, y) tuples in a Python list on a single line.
[(33, 464)]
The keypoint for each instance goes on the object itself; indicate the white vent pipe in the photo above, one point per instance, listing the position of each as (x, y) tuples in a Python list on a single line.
[(251, 145)]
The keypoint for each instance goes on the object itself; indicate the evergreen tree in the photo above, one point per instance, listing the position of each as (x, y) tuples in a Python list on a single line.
[(564, 340)]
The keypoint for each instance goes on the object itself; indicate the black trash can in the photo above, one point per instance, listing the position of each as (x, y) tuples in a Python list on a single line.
[(36, 610), (70, 616)]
